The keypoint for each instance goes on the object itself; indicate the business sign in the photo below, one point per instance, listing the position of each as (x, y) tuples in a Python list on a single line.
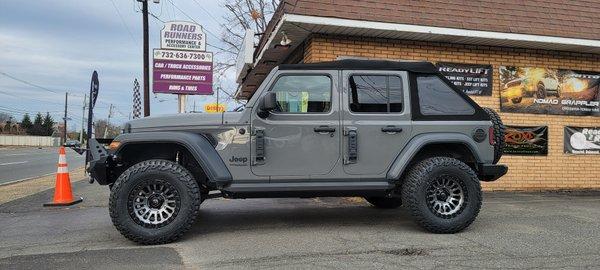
[(471, 79), (549, 91), (582, 140), (180, 35), (214, 107), (526, 140), (182, 72)]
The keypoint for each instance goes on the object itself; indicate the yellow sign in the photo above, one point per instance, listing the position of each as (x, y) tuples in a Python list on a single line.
[(214, 107)]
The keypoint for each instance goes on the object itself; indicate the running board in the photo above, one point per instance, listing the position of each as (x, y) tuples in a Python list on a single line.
[(307, 189)]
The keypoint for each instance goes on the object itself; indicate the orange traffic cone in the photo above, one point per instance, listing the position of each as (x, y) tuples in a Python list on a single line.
[(63, 195)]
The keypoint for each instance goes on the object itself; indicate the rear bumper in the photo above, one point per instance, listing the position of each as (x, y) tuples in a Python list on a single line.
[(491, 172)]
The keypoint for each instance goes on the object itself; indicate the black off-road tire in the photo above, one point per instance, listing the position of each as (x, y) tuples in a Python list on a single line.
[(150, 170), (540, 91), (498, 134), (384, 202), (419, 179)]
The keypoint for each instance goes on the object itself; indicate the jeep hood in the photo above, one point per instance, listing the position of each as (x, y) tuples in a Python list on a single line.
[(182, 121)]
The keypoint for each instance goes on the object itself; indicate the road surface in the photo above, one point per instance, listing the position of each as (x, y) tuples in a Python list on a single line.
[(26, 162), (513, 231)]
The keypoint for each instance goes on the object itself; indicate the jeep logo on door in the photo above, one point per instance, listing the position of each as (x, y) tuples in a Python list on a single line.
[(238, 161)]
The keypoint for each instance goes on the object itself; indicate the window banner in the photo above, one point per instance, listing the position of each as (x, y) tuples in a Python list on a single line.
[(549, 91), (471, 79), (582, 140), (526, 140)]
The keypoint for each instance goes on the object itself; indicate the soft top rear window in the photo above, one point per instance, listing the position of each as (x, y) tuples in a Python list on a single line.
[(438, 98)]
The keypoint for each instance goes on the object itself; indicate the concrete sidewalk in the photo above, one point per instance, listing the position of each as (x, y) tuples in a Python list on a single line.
[(514, 230)]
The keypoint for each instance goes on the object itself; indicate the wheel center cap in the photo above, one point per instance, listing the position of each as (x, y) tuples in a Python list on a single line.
[(155, 201), (442, 194)]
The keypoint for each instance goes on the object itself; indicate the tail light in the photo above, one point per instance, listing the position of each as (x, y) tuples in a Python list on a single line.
[(491, 134)]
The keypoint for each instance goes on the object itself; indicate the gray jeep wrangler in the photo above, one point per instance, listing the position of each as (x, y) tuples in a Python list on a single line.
[(395, 133)]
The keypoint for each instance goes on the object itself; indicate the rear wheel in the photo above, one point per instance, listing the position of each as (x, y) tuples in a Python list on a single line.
[(443, 194), (154, 202), (384, 202)]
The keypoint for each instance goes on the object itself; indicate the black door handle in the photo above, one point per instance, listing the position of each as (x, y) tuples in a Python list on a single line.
[(324, 129), (391, 129)]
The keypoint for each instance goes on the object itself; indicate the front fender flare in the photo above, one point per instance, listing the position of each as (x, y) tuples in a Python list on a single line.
[(418, 142), (198, 145)]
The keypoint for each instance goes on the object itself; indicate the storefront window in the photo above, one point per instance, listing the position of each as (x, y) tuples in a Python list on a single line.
[(303, 94)]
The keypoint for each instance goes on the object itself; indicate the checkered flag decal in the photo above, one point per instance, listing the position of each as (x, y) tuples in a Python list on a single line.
[(137, 101)]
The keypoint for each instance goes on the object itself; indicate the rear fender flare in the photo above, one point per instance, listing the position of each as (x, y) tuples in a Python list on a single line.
[(198, 145), (417, 143)]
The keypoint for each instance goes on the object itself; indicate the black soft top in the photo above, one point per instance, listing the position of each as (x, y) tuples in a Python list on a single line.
[(417, 67)]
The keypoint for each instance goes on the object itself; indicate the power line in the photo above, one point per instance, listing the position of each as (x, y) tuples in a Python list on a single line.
[(123, 22), (155, 17), (13, 95), (189, 17), (28, 83), (206, 11), (40, 87)]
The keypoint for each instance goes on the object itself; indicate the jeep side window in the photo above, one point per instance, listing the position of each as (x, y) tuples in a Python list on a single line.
[(303, 93), (375, 93), (437, 98)]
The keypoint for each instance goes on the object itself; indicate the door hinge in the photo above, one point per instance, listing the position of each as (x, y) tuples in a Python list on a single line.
[(259, 157)]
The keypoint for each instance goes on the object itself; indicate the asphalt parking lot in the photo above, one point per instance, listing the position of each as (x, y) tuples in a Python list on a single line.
[(514, 230)]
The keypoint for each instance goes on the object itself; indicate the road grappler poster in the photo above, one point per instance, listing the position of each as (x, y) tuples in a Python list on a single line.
[(549, 91), (526, 140)]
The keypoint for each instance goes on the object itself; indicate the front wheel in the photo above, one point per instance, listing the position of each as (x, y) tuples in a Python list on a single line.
[(154, 202), (443, 194)]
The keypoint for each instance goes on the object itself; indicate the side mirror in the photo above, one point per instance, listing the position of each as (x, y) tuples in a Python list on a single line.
[(267, 104)]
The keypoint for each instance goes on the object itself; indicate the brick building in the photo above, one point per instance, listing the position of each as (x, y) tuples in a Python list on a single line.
[(547, 34)]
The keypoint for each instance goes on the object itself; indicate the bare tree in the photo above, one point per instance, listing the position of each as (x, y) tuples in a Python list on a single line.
[(241, 16), (101, 125), (5, 117)]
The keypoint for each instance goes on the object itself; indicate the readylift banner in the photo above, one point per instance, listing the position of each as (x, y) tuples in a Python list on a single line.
[(549, 91), (582, 140), (470, 78), (182, 72), (526, 140)]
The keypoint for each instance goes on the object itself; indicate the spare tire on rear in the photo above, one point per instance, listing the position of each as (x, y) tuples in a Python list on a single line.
[(498, 133)]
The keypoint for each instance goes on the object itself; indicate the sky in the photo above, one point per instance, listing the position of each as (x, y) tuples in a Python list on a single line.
[(53, 46)]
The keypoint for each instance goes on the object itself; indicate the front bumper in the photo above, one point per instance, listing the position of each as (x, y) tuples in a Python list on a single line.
[(98, 162), (491, 172)]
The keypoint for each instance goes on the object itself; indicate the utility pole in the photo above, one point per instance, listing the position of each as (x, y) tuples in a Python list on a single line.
[(146, 61), (82, 119), (217, 99), (108, 121), (64, 137)]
